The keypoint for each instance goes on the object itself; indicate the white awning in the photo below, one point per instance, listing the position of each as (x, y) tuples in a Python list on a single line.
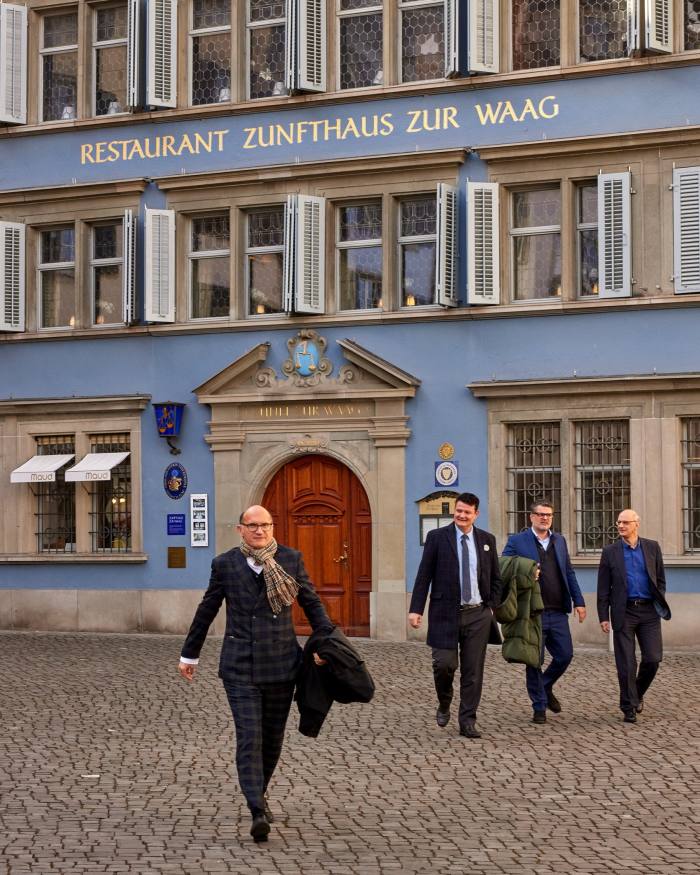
[(40, 469), (95, 466)]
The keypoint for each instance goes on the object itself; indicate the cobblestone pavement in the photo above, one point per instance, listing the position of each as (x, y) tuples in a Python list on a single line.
[(110, 763)]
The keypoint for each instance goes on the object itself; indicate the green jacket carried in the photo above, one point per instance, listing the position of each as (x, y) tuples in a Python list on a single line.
[(520, 611)]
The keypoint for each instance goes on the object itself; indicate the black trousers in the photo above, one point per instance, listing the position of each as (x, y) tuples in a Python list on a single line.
[(643, 624), (474, 628), (260, 715)]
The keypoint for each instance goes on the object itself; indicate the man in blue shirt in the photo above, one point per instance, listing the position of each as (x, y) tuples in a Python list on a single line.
[(632, 596)]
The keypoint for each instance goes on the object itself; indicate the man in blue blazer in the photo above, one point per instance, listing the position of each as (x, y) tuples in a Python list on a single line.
[(560, 590), (460, 568), (632, 594)]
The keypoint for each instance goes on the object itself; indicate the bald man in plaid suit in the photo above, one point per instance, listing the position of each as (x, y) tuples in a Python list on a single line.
[(260, 655)]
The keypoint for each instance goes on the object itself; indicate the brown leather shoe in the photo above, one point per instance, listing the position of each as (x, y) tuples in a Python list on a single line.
[(469, 731), (539, 717)]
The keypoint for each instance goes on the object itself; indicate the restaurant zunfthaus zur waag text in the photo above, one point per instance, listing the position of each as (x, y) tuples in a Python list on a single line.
[(348, 260)]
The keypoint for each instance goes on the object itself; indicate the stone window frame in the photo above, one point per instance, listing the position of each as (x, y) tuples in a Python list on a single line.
[(655, 407), (82, 206), (21, 422)]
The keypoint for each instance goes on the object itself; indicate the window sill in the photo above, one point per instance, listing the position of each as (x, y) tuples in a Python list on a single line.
[(73, 558)]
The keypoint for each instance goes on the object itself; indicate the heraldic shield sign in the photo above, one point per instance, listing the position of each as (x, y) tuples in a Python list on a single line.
[(306, 365), (175, 480)]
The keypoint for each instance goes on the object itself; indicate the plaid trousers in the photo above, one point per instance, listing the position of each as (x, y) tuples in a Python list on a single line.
[(260, 714)]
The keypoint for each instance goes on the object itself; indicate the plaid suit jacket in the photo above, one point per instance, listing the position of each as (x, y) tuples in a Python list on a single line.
[(259, 647)]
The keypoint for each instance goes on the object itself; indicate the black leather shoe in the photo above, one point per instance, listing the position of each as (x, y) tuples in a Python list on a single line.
[(470, 731), (260, 829), (640, 706), (268, 813), (539, 717), (630, 716), (442, 717), (553, 703)]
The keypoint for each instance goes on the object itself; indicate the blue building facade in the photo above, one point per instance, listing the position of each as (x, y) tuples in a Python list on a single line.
[(439, 247)]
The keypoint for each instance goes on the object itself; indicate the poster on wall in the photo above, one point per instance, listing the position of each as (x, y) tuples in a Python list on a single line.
[(199, 519)]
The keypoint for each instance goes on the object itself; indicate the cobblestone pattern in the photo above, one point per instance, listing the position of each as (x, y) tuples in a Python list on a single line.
[(109, 763)]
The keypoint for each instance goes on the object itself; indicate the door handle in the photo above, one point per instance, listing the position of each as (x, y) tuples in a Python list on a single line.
[(344, 557)]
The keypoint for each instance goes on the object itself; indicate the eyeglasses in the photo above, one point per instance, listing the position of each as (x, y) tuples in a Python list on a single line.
[(536, 513), (253, 527)]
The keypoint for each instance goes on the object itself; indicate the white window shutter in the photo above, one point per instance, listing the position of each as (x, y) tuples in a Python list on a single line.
[(129, 268), (159, 286), (451, 18), (483, 243), (686, 229), (658, 15), (133, 97), (309, 291), (484, 47), (12, 236), (13, 64), (614, 234), (311, 52), (162, 53), (633, 16), (446, 248), (289, 268)]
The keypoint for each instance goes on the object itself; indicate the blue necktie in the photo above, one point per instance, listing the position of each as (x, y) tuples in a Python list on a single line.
[(466, 574)]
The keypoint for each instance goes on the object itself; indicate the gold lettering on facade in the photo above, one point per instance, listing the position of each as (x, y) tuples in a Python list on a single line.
[(151, 147), (309, 410), (496, 114), (318, 130), (438, 119)]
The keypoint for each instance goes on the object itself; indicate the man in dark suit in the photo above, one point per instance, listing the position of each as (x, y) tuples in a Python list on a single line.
[(260, 655), (632, 594), (560, 590), (460, 568)]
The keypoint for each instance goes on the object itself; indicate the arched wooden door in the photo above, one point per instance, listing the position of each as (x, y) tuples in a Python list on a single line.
[(319, 507)]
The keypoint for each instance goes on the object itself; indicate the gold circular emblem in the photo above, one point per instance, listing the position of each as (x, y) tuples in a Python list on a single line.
[(446, 451)]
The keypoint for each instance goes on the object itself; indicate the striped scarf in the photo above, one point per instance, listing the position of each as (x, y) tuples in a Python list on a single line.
[(281, 588)]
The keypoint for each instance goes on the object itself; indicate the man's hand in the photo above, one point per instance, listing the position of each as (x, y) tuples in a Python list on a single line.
[(605, 626), (187, 670), (581, 613), (414, 620), (319, 660)]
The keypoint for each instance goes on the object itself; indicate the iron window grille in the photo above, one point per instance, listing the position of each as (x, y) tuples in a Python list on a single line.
[(210, 51), (602, 455), (59, 66), (55, 501), (690, 454), (417, 246), (210, 266), (533, 471), (265, 260), (109, 59), (111, 499), (57, 278), (359, 256)]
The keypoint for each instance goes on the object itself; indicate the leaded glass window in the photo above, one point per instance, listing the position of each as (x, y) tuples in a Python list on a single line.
[(266, 49), (360, 28), (57, 278), (602, 456), (692, 24), (602, 29), (110, 37), (111, 499), (106, 263), (210, 47), (535, 34), (422, 40), (359, 250), (55, 501), (536, 243), (587, 237), (417, 247), (59, 66), (533, 470), (265, 260), (690, 454), (210, 267)]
